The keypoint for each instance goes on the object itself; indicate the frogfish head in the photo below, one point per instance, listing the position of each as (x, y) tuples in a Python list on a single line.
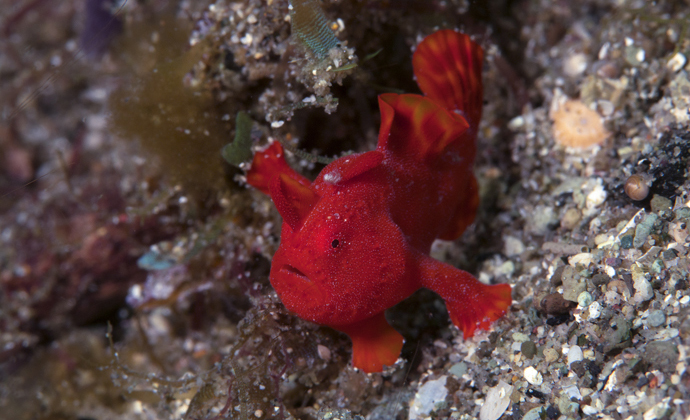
[(341, 259)]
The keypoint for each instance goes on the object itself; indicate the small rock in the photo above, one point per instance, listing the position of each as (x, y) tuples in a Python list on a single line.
[(575, 64), (643, 230), (669, 254), (512, 246), (458, 369), (528, 349), (533, 376), (660, 203), (535, 414), (600, 279), (627, 241), (565, 406), (676, 62), (657, 266), (541, 220), (656, 318), (575, 354), (682, 213), (573, 284), (634, 55), (661, 355), (550, 355), (584, 299), (554, 304), (617, 336), (643, 288), (570, 219), (594, 309), (557, 277), (324, 352)]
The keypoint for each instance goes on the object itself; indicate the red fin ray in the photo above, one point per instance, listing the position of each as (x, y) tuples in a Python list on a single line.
[(448, 67), (470, 303), (293, 200), (267, 165), (416, 126), (374, 343)]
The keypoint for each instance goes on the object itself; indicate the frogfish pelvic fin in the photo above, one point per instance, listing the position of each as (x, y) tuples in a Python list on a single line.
[(356, 240)]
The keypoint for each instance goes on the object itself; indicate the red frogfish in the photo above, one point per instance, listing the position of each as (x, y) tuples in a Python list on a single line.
[(356, 241)]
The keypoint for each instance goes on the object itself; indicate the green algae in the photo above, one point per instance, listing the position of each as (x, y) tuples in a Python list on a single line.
[(180, 125)]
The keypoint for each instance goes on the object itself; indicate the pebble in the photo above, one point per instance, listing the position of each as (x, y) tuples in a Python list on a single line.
[(676, 62), (643, 230), (324, 352), (554, 304), (426, 399), (584, 299), (594, 310), (634, 55), (617, 336), (575, 355), (550, 355), (573, 284), (533, 376), (575, 64), (570, 219), (528, 349), (458, 369), (643, 288), (512, 246), (535, 414), (660, 203), (656, 318), (601, 278)]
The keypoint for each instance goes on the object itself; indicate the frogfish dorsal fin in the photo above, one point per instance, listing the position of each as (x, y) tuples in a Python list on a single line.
[(293, 200), (448, 68), (417, 127), (348, 167), (267, 165)]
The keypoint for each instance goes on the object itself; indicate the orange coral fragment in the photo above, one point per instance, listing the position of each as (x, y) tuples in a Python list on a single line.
[(576, 125)]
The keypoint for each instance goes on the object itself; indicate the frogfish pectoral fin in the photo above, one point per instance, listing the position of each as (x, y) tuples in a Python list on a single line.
[(267, 165), (374, 343), (470, 303), (464, 213)]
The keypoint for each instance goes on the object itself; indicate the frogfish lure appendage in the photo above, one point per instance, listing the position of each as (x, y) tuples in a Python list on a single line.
[(356, 240)]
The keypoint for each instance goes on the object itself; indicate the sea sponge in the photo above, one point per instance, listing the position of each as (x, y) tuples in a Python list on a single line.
[(576, 125)]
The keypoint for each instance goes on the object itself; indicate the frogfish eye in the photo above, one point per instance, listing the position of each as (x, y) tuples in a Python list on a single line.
[(335, 243)]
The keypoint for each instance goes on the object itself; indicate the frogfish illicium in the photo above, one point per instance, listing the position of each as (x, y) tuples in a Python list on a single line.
[(356, 241)]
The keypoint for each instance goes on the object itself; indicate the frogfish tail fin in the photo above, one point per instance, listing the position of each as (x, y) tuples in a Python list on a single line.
[(374, 343), (470, 303), (448, 67), (269, 164)]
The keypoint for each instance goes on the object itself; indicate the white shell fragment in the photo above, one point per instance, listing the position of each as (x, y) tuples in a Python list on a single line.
[(676, 62), (497, 401)]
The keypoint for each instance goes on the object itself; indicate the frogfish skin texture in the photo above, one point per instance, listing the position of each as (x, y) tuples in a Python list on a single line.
[(356, 240)]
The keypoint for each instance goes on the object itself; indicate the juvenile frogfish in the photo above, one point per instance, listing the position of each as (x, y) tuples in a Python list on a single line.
[(356, 241)]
